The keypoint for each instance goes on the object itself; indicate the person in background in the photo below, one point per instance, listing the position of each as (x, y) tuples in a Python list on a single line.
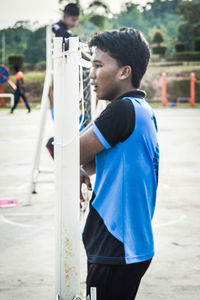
[(20, 91), (71, 14), (70, 20)]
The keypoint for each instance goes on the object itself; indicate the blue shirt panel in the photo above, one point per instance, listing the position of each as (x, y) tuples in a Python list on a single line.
[(126, 184)]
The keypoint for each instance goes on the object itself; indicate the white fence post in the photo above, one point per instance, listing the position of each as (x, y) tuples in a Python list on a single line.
[(11, 96), (66, 114)]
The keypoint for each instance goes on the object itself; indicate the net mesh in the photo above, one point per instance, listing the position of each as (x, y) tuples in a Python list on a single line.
[(87, 97)]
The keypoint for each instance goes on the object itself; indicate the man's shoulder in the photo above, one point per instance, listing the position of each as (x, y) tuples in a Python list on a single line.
[(121, 106), (58, 25)]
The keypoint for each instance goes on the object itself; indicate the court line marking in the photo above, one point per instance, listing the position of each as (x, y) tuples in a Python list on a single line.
[(166, 186), (7, 221), (180, 219), (28, 214)]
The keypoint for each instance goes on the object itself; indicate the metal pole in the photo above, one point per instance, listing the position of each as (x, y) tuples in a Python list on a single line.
[(11, 96), (67, 173), (43, 113), (192, 89), (3, 48), (93, 103), (164, 89)]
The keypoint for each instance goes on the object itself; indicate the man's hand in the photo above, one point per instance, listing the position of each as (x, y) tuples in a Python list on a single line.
[(84, 178)]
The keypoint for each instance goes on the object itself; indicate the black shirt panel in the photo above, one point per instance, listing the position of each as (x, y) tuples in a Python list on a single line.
[(101, 246), (61, 30), (134, 93), (117, 122)]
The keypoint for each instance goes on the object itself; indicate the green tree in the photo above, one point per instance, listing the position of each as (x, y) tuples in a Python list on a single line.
[(163, 15), (130, 16), (98, 13), (189, 28), (158, 37), (16, 38), (158, 47), (36, 46)]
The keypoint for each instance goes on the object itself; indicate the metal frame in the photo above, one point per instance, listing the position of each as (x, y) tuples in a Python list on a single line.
[(11, 96), (35, 171)]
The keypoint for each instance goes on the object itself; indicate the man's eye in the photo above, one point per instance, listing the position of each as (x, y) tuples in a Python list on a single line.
[(98, 66)]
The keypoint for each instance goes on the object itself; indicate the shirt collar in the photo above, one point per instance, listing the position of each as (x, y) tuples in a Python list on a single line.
[(135, 94)]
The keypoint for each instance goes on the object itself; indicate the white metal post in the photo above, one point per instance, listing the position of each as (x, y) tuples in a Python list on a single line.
[(11, 96), (3, 48), (93, 103), (43, 113), (66, 113), (96, 107)]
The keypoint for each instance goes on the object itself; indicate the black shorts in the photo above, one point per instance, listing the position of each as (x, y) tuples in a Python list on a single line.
[(116, 282)]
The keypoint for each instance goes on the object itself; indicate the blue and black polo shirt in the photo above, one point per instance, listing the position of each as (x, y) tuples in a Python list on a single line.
[(118, 228), (61, 30)]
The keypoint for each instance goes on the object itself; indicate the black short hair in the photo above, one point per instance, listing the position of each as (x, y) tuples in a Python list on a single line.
[(128, 46), (72, 9)]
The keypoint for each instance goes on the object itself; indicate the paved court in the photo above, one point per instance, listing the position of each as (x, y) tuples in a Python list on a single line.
[(27, 233)]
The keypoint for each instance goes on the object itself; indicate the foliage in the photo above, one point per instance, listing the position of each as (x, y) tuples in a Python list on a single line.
[(180, 47), (98, 13), (15, 39), (187, 56), (176, 19), (15, 60), (158, 47), (130, 16), (160, 50), (40, 66), (158, 37), (36, 46), (189, 28), (197, 44)]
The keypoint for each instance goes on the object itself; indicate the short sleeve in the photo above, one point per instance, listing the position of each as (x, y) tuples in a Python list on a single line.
[(60, 31), (116, 123)]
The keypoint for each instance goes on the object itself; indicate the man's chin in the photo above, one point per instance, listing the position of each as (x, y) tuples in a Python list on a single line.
[(100, 96)]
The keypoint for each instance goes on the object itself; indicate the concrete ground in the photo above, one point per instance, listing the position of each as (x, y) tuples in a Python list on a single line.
[(27, 233)]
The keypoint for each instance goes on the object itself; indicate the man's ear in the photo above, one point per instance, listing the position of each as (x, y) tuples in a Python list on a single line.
[(125, 72)]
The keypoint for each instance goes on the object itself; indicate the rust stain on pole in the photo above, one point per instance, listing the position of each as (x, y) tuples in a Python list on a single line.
[(68, 253)]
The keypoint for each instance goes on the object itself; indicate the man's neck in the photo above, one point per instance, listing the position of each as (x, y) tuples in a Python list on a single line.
[(123, 91)]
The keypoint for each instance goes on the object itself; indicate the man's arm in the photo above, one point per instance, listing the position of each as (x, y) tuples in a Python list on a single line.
[(89, 147), (90, 167)]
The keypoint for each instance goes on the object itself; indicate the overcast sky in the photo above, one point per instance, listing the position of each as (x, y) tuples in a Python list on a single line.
[(43, 11)]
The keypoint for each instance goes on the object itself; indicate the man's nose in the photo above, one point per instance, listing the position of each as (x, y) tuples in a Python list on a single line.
[(92, 73)]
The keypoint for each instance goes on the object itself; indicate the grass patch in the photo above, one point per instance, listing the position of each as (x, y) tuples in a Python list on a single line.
[(31, 77), (181, 105)]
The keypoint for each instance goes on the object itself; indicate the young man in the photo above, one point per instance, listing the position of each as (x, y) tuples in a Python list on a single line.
[(70, 20), (61, 29), (20, 91), (122, 144)]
